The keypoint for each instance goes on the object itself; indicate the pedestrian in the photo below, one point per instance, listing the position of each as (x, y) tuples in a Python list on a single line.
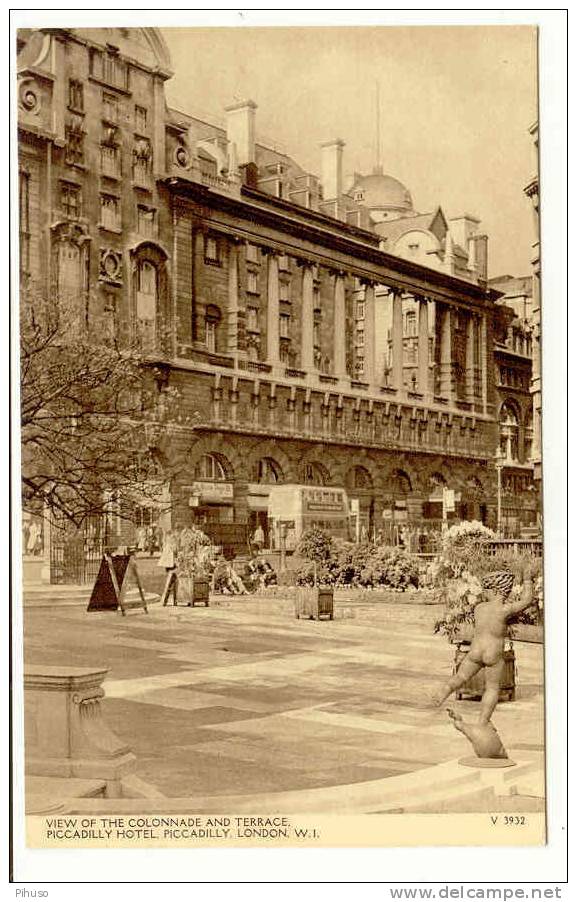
[(167, 555), (258, 539)]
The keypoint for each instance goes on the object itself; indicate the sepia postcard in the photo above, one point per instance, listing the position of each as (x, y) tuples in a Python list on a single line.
[(280, 517)]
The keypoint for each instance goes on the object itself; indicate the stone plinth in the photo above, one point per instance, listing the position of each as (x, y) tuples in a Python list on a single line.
[(65, 732)]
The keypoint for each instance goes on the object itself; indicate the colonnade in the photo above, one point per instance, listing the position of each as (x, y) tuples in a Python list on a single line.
[(433, 378)]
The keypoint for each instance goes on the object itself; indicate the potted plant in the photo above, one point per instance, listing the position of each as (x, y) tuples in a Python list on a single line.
[(192, 570), (314, 599)]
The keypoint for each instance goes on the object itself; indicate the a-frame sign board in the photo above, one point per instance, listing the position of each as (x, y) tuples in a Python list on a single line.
[(112, 582)]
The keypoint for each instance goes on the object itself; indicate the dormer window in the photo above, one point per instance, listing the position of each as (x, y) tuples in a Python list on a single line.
[(359, 196)]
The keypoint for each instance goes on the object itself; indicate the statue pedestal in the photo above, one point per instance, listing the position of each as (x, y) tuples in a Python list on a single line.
[(474, 761), (65, 733)]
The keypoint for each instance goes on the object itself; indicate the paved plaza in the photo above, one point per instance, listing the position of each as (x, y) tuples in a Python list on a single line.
[(242, 698)]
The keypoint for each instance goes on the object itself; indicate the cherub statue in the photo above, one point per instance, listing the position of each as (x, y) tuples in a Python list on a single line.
[(492, 612)]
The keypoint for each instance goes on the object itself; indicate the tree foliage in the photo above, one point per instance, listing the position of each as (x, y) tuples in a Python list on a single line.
[(91, 413)]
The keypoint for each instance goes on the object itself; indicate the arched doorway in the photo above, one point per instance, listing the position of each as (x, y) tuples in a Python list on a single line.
[(360, 490), (265, 473), (395, 511), (212, 497)]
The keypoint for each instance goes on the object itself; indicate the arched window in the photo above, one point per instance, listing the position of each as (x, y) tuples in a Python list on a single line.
[(209, 467), (267, 471), (359, 478), (400, 483), (147, 291), (69, 274), (315, 474), (509, 432), (146, 302), (437, 483)]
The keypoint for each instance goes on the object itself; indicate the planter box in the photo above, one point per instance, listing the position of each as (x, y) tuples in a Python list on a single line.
[(527, 632), (474, 688), (314, 603), (192, 591)]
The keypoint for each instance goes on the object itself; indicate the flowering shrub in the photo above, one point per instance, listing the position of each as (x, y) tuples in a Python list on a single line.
[(315, 545), (465, 532), (193, 553), (461, 594), (366, 565)]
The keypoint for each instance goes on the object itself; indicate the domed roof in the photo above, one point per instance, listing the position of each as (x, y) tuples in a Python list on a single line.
[(378, 191)]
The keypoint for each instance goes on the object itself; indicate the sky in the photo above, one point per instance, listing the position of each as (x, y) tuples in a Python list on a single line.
[(455, 107)]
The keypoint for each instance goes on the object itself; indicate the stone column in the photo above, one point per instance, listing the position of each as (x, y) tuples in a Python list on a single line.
[(446, 354), (369, 370), (423, 378), (307, 343), (272, 311), (470, 356), (483, 361), (397, 340), (339, 340), (198, 265), (232, 343)]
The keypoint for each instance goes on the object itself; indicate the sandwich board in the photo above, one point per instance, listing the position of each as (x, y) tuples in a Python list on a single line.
[(112, 582)]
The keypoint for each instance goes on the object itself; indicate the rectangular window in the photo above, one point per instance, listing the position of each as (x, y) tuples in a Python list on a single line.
[(252, 253), (110, 107), (252, 319), (107, 66), (146, 222), (211, 250), (360, 309), (70, 201), (285, 353), (74, 146), (284, 325), (210, 335), (110, 160), (140, 119), (76, 95), (24, 223), (110, 212), (142, 162), (360, 337), (284, 291), (411, 323), (283, 264), (252, 283)]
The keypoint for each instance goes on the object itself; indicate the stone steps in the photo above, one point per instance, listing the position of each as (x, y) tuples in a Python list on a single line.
[(70, 596), (50, 795), (430, 789)]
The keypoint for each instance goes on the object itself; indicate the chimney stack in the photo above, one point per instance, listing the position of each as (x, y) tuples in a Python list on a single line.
[(240, 122), (332, 169)]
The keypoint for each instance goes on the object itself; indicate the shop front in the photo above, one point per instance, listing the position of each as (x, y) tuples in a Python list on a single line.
[(211, 502)]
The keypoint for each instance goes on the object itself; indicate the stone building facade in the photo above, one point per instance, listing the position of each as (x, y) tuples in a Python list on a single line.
[(302, 351), (513, 353)]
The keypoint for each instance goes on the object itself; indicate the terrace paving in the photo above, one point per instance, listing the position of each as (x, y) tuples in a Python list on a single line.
[(242, 698)]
